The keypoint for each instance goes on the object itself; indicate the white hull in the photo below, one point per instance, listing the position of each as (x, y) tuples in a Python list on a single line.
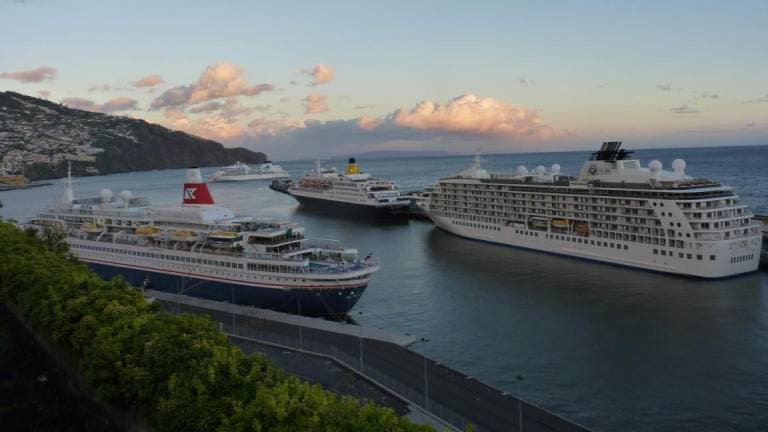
[(731, 258), (249, 177)]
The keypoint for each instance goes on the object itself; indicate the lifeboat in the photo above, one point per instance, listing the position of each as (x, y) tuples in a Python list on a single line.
[(539, 223), (223, 239), (581, 228), (184, 236), (147, 231), (223, 235), (91, 227), (560, 223)]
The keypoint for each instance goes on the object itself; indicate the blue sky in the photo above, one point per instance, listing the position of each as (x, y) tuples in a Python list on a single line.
[(541, 75)]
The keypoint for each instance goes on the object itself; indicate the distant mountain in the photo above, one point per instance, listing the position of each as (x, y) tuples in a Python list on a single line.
[(393, 154), (37, 136)]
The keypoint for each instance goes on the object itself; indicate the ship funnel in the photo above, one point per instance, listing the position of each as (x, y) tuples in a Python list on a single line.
[(352, 167), (195, 191)]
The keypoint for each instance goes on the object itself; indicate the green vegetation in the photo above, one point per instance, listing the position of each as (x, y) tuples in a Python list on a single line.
[(177, 371)]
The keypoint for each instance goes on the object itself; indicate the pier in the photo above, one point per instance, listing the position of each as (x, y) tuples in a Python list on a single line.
[(433, 392)]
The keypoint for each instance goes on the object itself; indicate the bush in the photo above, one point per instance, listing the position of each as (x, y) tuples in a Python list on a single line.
[(178, 371)]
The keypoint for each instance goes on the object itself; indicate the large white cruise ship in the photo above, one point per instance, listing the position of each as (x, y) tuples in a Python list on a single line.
[(243, 172), (353, 191), (204, 250), (615, 211)]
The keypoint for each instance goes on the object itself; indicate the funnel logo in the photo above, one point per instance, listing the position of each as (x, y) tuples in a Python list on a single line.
[(189, 193), (197, 193)]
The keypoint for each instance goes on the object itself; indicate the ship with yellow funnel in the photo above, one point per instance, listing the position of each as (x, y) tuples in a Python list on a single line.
[(352, 192)]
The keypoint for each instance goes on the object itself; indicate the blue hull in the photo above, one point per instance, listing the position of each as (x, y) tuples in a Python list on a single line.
[(336, 301)]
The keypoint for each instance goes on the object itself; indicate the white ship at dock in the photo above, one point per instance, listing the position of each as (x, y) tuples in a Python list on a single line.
[(204, 250), (353, 192), (243, 172), (616, 211)]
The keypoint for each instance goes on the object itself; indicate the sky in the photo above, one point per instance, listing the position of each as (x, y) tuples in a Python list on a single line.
[(301, 80)]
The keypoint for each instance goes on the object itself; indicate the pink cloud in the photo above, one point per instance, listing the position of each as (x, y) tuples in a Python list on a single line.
[(44, 93), (148, 81), (217, 81), (315, 103), (80, 103), (272, 127), (321, 74), (368, 122), (471, 114), (35, 75), (119, 104), (204, 108), (214, 127), (110, 106)]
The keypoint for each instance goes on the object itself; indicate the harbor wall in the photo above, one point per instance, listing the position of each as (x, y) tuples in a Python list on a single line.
[(454, 398)]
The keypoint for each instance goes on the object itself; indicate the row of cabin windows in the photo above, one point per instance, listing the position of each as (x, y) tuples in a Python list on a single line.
[(191, 260), (587, 241), (477, 225), (742, 258), (663, 252)]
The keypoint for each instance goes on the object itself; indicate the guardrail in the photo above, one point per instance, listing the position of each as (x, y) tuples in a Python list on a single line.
[(451, 396)]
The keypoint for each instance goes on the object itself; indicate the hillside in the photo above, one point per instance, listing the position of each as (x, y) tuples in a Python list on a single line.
[(37, 136)]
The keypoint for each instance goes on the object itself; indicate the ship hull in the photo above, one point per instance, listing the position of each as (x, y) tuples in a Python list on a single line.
[(250, 177), (731, 262), (304, 301), (352, 209)]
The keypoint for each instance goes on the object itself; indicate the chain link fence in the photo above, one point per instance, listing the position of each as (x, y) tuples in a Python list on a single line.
[(455, 398)]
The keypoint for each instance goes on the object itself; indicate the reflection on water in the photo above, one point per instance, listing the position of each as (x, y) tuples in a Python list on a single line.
[(611, 347)]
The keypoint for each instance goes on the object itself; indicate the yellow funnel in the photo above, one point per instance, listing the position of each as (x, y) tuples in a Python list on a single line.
[(352, 167)]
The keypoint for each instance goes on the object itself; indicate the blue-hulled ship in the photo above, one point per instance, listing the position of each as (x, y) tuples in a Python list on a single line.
[(204, 250)]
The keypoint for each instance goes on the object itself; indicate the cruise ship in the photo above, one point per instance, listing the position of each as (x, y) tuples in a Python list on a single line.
[(242, 172), (616, 211), (353, 192), (201, 249)]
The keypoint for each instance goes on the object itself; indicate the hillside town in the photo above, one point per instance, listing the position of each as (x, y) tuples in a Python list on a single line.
[(34, 131)]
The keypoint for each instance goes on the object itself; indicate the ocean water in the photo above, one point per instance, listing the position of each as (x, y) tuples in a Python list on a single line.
[(611, 348)]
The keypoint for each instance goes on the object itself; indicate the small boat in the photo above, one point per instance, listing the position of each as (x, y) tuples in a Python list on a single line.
[(581, 228), (183, 236), (91, 227), (538, 223), (560, 223), (147, 231)]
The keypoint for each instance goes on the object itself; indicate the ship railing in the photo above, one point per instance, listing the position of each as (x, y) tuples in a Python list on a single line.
[(325, 244), (337, 267)]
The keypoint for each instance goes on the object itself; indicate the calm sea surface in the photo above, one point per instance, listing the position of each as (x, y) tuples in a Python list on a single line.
[(611, 348)]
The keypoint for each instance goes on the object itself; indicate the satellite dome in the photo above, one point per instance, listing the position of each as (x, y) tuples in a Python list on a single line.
[(655, 166), (678, 165), (126, 195), (555, 169), (522, 170), (106, 195), (540, 170)]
